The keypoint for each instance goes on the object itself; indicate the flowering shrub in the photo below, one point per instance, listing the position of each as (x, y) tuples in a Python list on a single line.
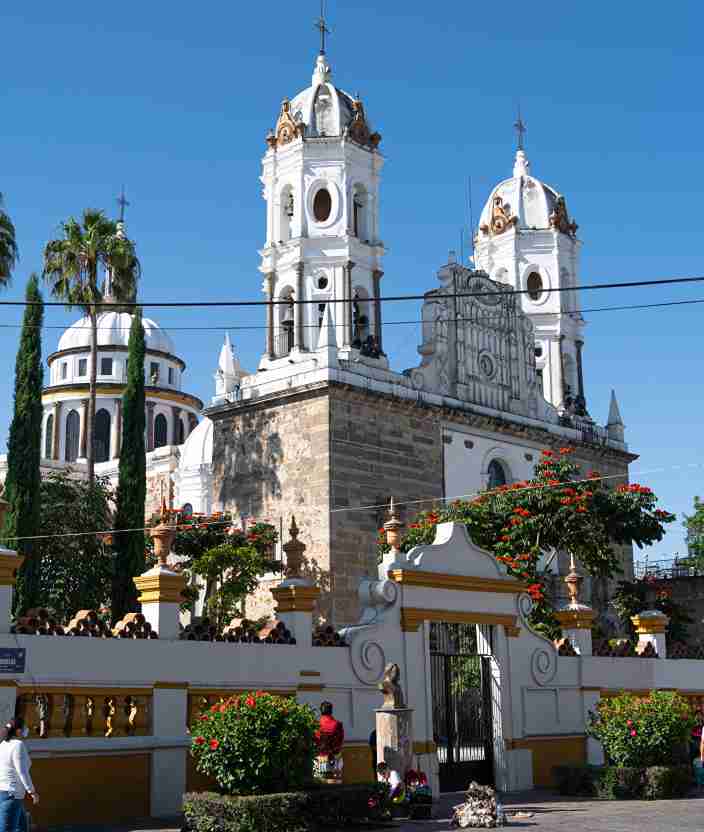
[(561, 508), (632, 597), (640, 732), (256, 743)]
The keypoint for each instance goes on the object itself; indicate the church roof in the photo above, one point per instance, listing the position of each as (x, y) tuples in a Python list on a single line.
[(114, 330), (523, 201)]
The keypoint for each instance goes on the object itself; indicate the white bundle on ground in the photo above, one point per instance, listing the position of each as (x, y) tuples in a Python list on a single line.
[(480, 809)]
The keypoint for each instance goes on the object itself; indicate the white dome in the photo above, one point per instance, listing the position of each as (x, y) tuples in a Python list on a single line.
[(197, 450), (524, 202), (114, 330), (324, 110)]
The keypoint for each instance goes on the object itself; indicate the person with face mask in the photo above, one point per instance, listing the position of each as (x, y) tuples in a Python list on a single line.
[(15, 780)]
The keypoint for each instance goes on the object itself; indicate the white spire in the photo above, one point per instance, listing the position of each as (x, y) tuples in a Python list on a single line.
[(521, 166), (322, 71), (229, 372)]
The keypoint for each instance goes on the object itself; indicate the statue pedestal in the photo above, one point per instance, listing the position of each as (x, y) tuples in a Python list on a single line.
[(394, 738)]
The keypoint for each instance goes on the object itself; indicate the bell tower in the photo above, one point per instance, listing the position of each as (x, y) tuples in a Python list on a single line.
[(320, 176)]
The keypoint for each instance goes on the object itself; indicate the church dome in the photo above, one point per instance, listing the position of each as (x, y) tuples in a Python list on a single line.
[(114, 330), (323, 110), (524, 202), (198, 448)]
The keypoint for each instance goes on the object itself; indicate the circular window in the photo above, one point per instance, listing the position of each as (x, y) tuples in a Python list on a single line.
[(322, 283), (322, 205), (486, 365), (534, 285)]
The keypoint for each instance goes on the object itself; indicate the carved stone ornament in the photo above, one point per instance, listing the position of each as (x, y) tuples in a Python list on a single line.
[(391, 688), (501, 219), (287, 129), (560, 221), (359, 131)]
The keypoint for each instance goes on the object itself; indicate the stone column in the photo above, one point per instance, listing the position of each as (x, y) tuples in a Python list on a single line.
[(576, 619), (175, 421), (347, 341), (10, 562), (270, 280), (116, 432), (160, 588), (150, 426), (377, 274), (56, 442), (580, 376), (83, 444), (192, 423), (394, 738), (650, 626), (298, 338), (296, 595), (168, 765)]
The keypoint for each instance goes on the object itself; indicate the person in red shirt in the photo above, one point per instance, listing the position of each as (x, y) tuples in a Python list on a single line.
[(330, 737)]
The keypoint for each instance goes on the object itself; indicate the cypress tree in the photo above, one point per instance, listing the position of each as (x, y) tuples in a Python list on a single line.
[(24, 448), (132, 482)]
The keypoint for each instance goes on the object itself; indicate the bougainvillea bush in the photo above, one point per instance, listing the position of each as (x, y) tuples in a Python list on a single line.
[(561, 509), (638, 732), (256, 743)]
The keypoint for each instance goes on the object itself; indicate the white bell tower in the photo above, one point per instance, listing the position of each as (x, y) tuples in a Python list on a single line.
[(321, 175), (527, 240)]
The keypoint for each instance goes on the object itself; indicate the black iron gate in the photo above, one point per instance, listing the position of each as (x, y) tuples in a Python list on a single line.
[(462, 706)]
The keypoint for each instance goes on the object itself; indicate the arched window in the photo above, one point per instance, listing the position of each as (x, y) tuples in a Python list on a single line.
[(181, 432), (187, 510), (284, 337), (360, 318), (534, 285), (49, 437), (359, 213), (73, 435), (286, 214), (161, 429), (322, 205), (101, 437), (497, 474)]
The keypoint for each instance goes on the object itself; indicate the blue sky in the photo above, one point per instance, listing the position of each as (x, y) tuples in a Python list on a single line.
[(175, 99)]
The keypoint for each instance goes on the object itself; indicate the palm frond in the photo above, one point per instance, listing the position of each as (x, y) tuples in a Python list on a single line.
[(9, 254)]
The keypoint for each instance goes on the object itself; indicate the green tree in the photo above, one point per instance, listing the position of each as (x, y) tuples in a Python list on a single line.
[(72, 266), (8, 246), (132, 482), (694, 524), (74, 567), (560, 509), (24, 448)]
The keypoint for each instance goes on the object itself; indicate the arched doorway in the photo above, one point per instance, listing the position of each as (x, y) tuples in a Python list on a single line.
[(101, 439), (161, 430), (73, 435)]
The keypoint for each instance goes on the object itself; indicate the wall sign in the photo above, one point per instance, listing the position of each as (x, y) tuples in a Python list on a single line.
[(12, 659)]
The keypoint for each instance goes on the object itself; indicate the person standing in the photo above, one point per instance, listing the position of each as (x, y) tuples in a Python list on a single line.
[(15, 780)]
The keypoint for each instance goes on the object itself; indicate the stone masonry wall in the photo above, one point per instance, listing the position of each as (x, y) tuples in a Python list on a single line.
[(380, 447), (271, 461)]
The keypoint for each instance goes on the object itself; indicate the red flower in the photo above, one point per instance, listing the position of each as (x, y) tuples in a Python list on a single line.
[(214, 745), (564, 451), (204, 718), (548, 453), (629, 722), (633, 733), (199, 740), (259, 693), (250, 702)]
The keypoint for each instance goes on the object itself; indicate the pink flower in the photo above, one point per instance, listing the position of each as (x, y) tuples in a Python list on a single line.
[(214, 744), (629, 722), (633, 733)]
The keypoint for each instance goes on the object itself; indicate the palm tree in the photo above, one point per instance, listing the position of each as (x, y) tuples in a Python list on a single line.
[(8, 247), (71, 268)]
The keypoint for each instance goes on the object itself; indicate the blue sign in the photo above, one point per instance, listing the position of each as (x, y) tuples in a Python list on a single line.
[(12, 659)]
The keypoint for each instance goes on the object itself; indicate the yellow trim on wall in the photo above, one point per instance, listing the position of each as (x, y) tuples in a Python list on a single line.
[(465, 583), (412, 617), (9, 564), (309, 673), (171, 685), (511, 631), (551, 751), (295, 598), (575, 619), (424, 747), (649, 625), (308, 687), (160, 588), (357, 763), (58, 394)]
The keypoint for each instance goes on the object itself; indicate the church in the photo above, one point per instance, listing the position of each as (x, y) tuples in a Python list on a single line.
[(325, 429)]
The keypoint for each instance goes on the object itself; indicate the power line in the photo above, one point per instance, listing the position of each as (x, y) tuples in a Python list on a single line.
[(414, 321), (388, 299)]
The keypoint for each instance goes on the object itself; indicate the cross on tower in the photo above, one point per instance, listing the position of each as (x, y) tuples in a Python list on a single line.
[(123, 203), (520, 129), (321, 26)]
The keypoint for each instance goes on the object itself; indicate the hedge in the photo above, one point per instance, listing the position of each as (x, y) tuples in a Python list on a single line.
[(317, 808), (623, 782)]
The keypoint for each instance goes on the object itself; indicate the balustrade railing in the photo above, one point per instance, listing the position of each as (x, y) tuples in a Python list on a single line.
[(283, 343)]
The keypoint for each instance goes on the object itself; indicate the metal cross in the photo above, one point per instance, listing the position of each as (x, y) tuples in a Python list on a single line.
[(123, 203), (321, 26), (520, 129)]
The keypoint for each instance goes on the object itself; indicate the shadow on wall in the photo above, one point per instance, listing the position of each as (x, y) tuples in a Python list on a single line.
[(248, 478)]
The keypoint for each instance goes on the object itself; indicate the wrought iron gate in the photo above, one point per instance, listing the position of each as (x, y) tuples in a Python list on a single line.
[(462, 706)]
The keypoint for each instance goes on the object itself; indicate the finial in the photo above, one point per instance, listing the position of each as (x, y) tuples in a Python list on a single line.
[(123, 203), (293, 528), (393, 527), (294, 550), (520, 129), (322, 27)]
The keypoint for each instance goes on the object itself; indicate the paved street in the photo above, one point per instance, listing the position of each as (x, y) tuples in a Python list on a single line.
[(539, 811)]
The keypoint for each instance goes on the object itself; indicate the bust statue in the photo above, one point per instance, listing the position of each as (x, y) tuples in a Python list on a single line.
[(390, 687)]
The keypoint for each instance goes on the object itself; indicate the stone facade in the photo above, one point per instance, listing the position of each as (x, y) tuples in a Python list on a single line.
[(333, 455)]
